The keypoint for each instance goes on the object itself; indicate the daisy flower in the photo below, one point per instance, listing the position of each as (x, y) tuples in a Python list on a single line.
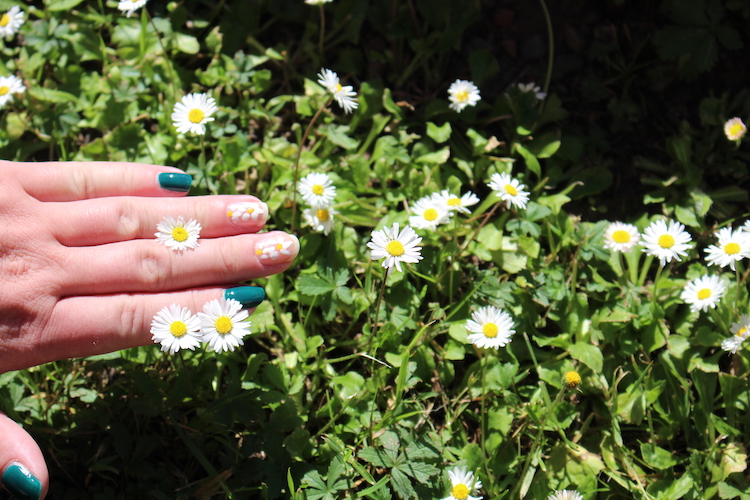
[(565, 495), (741, 331), (10, 85), (703, 292), (344, 95), (317, 190), (509, 189), (462, 93), (490, 327), (733, 246), (735, 129), (666, 242), (176, 328), (316, 2), (428, 214), (193, 112), (454, 203), (395, 246), (11, 21), (621, 237), (463, 485), (531, 87), (177, 234), (223, 325), (130, 6), (572, 379), (321, 219)]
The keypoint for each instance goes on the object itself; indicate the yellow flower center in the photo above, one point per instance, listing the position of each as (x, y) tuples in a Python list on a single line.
[(732, 248), (395, 248), (666, 241), (4, 90), (339, 88), (4, 20), (462, 96), (279, 246), (322, 215), (572, 379), (223, 325), (735, 130), (454, 202), (490, 331), (742, 331), (318, 189), (179, 234), (621, 236), (460, 491), (511, 190), (430, 214), (195, 115), (704, 293), (178, 329)]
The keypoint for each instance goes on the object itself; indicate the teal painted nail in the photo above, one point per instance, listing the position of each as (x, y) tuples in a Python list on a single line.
[(248, 296), (21, 483), (179, 183)]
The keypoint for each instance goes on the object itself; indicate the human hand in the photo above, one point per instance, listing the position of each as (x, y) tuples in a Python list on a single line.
[(82, 274)]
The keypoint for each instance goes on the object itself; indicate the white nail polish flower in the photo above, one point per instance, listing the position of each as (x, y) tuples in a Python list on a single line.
[(344, 95), (272, 248), (462, 93), (735, 129), (428, 213), (741, 331), (176, 328), (247, 210), (490, 327), (321, 219), (733, 246), (395, 246), (666, 242), (317, 190), (565, 495), (177, 234), (193, 112), (10, 85), (510, 190), (463, 485), (11, 21), (621, 237), (703, 292), (223, 325), (130, 6)]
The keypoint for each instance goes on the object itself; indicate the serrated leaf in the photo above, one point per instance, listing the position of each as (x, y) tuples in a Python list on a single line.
[(402, 485), (378, 458), (420, 471), (315, 285)]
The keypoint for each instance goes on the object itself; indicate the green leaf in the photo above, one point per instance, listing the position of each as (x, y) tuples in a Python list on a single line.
[(57, 5), (587, 354), (402, 485), (530, 160), (315, 285), (376, 457), (51, 95), (436, 158), (656, 457), (186, 43), (439, 134)]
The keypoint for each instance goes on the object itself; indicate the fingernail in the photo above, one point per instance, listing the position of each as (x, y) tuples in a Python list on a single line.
[(277, 249), (248, 296), (22, 483), (248, 212), (179, 183)]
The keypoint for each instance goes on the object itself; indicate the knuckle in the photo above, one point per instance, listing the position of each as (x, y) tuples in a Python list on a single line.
[(128, 222), (155, 265)]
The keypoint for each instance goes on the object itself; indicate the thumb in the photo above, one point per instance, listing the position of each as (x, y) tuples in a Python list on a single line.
[(24, 472)]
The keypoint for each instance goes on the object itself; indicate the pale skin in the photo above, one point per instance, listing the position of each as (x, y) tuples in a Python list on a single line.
[(81, 272)]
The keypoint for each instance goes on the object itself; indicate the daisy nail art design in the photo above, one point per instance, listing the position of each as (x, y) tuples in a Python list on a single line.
[(279, 248), (176, 328), (178, 235), (247, 211)]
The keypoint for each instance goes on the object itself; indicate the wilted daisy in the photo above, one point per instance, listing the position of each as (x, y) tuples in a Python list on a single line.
[(565, 495), (10, 85), (395, 246), (531, 87), (462, 93), (428, 213), (177, 234), (223, 325), (620, 237), (509, 189), (735, 129), (344, 95), (490, 327), (741, 331), (463, 485), (732, 247), (703, 292), (193, 112), (666, 242), (454, 203), (176, 328), (572, 379), (130, 6), (321, 219), (11, 21), (317, 190)]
